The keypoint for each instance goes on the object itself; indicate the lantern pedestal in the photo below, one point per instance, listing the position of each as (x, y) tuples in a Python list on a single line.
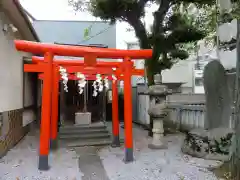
[(82, 118)]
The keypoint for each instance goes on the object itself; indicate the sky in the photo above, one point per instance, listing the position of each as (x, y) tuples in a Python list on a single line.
[(53, 10), (60, 10)]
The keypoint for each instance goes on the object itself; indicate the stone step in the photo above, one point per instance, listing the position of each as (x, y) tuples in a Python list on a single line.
[(85, 136), (89, 142), (82, 131), (82, 127)]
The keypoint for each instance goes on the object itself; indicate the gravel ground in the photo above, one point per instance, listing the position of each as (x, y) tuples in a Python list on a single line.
[(168, 164), (21, 163)]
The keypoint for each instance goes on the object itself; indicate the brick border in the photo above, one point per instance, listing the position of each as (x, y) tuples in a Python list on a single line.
[(16, 131)]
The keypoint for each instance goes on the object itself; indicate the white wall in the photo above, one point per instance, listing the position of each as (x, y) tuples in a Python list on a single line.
[(28, 92), (11, 71), (227, 58), (180, 72), (124, 37)]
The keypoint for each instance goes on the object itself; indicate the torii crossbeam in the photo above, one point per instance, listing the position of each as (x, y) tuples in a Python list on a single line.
[(90, 55), (90, 75)]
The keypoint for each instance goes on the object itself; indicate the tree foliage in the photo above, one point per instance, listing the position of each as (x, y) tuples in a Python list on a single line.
[(173, 27), (227, 16)]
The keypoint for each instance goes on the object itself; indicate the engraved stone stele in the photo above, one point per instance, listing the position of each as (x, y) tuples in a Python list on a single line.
[(215, 141), (218, 99)]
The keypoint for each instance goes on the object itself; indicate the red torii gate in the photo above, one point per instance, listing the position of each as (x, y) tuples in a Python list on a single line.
[(101, 68), (106, 71), (47, 66)]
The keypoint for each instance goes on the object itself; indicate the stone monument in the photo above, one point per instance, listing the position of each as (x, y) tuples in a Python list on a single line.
[(218, 100), (215, 141), (82, 118)]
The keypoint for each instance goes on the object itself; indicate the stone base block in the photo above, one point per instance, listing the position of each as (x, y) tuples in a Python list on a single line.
[(53, 144), (82, 118), (157, 146), (128, 155), (116, 142), (214, 144), (43, 163)]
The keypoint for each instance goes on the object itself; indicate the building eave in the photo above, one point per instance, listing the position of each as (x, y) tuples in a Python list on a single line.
[(25, 17), (15, 12)]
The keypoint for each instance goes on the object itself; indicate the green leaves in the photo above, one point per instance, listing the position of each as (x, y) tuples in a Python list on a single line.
[(199, 3), (185, 35), (87, 32), (178, 24), (116, 9), (179, 54)]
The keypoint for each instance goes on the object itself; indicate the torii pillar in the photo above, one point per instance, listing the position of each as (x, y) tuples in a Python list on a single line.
[(46, 113), (115, 117), (54, 108), (128, 111)]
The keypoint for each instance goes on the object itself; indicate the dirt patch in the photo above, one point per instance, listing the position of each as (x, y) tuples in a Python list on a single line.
[(224, 171)]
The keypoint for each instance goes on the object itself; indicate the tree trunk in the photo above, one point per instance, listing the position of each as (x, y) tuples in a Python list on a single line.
[(150, 73), (141, 34)]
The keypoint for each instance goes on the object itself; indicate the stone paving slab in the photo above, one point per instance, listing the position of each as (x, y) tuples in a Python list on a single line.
[(91, 164)]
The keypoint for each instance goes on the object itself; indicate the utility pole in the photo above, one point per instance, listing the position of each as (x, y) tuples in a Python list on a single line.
[(235, 163), (236, 157)]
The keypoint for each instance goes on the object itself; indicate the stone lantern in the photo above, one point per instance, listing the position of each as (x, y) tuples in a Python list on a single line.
[(158, 111)]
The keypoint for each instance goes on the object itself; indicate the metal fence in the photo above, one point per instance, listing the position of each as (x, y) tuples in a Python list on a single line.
[(189, 116)]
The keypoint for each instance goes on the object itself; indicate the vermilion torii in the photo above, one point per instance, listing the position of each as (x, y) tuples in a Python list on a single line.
[(48, 67)]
